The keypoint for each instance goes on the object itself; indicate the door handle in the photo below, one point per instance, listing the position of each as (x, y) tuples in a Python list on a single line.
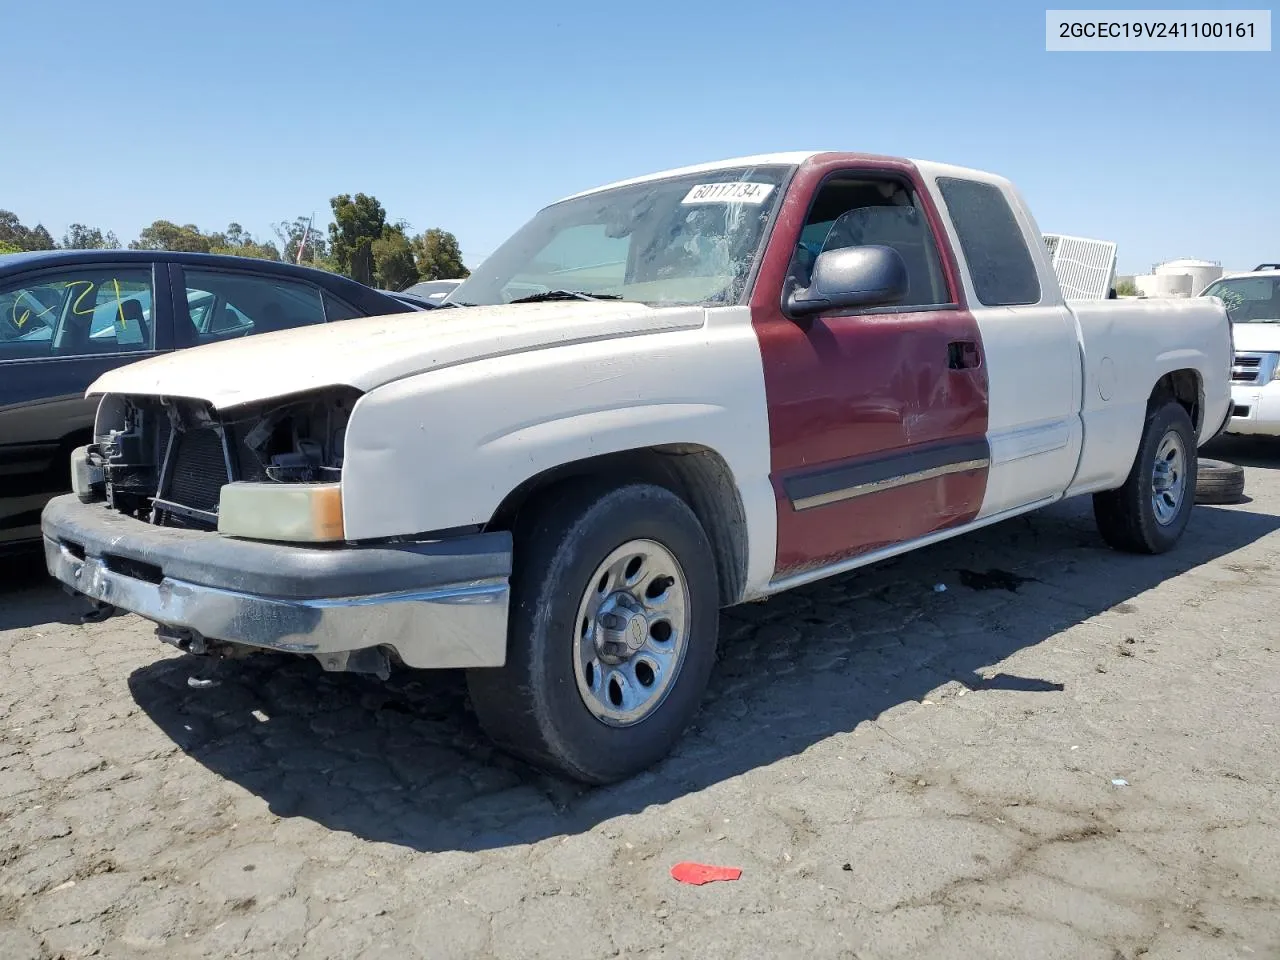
[(963, 355)]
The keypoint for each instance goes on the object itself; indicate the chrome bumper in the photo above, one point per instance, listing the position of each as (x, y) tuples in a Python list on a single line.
[(454, 616)]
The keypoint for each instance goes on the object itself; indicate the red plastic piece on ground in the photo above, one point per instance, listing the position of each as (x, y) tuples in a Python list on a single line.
[(700, 873)]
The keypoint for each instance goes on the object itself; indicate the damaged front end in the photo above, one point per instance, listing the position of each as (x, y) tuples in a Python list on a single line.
[(177, 462), (169, 461), (225, 528)]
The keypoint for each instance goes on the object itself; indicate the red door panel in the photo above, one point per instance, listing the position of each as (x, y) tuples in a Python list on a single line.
[(877, 422)]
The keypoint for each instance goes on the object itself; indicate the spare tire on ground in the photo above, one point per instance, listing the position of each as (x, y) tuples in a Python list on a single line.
[(1219, 482)]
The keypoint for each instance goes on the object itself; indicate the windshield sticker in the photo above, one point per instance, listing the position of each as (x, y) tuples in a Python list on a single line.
[(741, 192)]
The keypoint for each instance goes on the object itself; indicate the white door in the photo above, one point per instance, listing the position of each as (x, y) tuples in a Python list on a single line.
[(1029, 339)]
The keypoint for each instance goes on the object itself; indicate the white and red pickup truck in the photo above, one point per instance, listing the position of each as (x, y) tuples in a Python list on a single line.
[(657, 398)]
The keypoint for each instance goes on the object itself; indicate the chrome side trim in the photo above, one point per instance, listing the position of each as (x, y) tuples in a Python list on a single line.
[(452, 626), (890, 483)]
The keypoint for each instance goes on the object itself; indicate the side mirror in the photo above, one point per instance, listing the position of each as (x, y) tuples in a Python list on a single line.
[(867, 276)]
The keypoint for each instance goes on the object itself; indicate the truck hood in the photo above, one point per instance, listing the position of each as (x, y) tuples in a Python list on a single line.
[(1256, 337), (372, 351)]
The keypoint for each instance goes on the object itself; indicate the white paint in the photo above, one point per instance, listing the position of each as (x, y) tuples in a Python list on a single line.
[(738, 191), (1032, 356), (1145, 339), (1107, 378), (1061, 421), (1261, 399), (443, 448), (371, 351)]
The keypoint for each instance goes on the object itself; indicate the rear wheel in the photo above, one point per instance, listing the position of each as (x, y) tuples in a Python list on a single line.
[(613, 632), (1149, 513)]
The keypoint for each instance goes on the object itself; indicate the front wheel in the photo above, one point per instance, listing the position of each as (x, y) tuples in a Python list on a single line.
[(613, 632), (1149, 513)]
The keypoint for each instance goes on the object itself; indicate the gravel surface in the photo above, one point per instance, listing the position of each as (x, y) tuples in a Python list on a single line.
[(1078, 764)]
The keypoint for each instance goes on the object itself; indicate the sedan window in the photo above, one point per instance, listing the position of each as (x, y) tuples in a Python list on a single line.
[(222, 305), (79, 312)]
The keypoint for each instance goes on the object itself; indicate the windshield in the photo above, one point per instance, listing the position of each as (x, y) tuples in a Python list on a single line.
[(1248, 299), (685, 240)]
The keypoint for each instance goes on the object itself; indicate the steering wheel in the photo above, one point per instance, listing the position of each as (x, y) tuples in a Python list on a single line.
[(22, 315)]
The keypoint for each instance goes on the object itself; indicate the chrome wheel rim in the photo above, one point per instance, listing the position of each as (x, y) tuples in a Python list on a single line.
[(631, 632), (1168, 478)]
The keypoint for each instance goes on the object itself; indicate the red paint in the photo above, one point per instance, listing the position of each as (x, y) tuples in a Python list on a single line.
[(699, 873), (853, 388)]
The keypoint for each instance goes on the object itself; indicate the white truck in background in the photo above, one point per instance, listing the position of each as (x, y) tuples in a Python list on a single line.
[(1252, 301)]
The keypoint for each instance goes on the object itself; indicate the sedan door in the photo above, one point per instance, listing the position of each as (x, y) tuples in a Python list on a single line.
[(60, 329)]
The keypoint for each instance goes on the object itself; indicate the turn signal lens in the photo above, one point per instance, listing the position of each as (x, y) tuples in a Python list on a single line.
[(286, 512)]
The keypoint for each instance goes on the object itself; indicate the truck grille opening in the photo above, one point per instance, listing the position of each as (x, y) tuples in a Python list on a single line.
[(166, 460), (1246, 369), (197, 471), (137, 569)]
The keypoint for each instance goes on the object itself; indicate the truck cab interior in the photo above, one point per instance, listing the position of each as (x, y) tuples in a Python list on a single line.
[(858, 212)]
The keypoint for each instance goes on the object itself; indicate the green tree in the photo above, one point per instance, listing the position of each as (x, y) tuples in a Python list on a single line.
[(165, 235), (236, 242), (290, 234), (14, 234), (438, 256), (393, 266), (9, 248), (1126, 288), (357, 223), (80, 237)]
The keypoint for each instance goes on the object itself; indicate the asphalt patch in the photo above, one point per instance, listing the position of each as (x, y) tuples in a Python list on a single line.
[(993, 580)]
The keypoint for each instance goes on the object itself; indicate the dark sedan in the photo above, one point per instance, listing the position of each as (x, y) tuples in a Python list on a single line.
[(68, 316)]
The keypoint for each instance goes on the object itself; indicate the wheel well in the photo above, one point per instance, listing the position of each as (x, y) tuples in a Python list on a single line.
[(1186, 388), (697, 474)]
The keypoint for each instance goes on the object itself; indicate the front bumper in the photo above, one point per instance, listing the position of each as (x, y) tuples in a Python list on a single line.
[(436, 603), (1255, 409)]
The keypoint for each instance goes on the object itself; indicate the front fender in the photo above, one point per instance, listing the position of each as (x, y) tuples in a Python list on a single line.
[(443, 449)]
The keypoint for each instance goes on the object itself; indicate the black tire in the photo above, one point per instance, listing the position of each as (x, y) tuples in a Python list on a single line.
[(1219, 482), (532, 706), (1126, 517)]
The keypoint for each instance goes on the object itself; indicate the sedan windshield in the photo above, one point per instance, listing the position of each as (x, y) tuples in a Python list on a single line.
[(1248, 299), (684, 240)]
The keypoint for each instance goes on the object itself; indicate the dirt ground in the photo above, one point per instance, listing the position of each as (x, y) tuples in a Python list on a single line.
[(1082, 766)]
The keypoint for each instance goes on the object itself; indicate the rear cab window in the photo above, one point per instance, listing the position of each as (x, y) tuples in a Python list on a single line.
[(1000, 264), (78, 311)]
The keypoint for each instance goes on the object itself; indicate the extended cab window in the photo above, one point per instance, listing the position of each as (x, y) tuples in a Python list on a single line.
[(77, 312), (225, 305), (1003, 272), (857, 211)]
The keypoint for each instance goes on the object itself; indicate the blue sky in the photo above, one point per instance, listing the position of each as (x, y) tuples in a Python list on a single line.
[(471, 117)]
